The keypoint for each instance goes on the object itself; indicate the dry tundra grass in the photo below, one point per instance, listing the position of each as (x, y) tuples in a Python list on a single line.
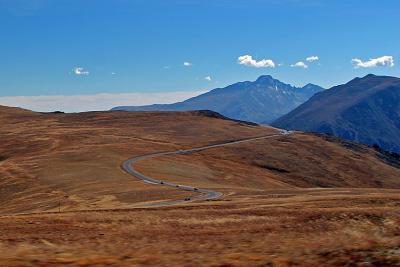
[(299, 200), (362, 229), (47, 157)]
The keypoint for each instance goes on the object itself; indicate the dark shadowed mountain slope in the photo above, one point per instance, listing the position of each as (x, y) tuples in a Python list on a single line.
[(366, 110), (261, 101)]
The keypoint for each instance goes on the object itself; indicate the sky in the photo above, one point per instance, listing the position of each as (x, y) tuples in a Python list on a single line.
[(80, 55)]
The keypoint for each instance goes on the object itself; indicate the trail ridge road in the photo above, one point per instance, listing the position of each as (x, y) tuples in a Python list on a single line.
[(205, 194)]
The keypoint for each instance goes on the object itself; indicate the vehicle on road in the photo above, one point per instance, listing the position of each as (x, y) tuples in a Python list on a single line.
[(183, 152)]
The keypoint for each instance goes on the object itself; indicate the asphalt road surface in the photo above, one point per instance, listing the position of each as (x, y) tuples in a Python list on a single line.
[(204, 194)]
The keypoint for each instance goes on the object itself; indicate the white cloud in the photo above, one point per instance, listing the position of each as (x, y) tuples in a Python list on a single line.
[(208, 78), (312, 58), (248, 60), (373, 62), (299, 64), (113, 73), (187, 64), (79, 103), (80, 71)]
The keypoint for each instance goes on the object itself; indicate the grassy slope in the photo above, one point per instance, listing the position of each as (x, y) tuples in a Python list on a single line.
[(311, 228), (75, 158), (299, 160), (267, 218)]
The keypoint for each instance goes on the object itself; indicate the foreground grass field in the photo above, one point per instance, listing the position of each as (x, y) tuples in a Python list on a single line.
[(294, 228), (296, 200)]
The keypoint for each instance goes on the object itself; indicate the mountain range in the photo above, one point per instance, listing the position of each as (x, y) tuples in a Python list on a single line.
[(261, 101), (365, 110)]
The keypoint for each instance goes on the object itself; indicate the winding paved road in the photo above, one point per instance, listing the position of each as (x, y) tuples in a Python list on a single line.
[(205, 194)]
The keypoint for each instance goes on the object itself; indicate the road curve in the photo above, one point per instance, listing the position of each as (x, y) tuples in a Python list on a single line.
[(205, 194)]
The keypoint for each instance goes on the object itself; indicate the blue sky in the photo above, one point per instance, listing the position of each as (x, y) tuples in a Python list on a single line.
[(75, 47)]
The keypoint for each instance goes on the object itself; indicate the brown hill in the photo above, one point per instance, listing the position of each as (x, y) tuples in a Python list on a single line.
[(284, 205), (14, 111), (75, 159), (297, 161)]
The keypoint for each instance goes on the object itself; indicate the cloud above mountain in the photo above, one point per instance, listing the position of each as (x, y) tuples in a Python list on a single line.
[(80, 71), (248, 60), (299, 64), (384, 61), (302, 64), (312, 58)]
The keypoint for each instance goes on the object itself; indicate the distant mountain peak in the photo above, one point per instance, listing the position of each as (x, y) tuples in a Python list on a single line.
[(264, 78), (310, 85), (370, 80), (260, 101), (365, 110), (361, 79)]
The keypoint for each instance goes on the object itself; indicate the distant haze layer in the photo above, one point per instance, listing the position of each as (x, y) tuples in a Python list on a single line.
[(97, 102)]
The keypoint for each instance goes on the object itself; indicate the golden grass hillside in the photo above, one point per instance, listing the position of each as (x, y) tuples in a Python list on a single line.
[(73, 161), (309, 228), (75, 158), (298, 160), (297, 200)]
